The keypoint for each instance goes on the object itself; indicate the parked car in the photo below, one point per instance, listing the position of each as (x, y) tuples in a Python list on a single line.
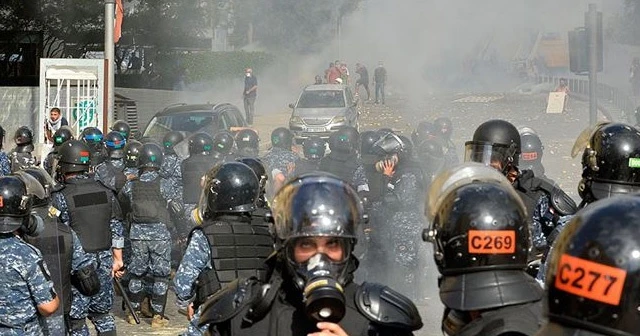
[(322, 109), (190, 119)]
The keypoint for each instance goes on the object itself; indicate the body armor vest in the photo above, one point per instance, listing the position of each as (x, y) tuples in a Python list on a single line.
[(193, 168), (147, 204), (120, 177), (56, 245), (306, 166), (90, 208), (21, 161), (342, 165), (238, 250)]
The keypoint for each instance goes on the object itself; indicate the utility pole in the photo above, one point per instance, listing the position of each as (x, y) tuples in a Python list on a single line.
[(109, 57), (591, 23)]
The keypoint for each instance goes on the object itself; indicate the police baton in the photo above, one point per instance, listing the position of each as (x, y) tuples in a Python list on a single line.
[(126, 300)]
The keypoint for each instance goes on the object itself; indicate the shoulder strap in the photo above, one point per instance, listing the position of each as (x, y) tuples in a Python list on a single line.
[(384, 306)]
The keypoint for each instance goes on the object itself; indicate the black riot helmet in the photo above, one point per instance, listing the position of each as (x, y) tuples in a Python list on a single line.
[(132, 153), (495, 142), (223, 143), (74, 157), (230, 187), (282, 137), (343, 141), (16, 203), (258, 168), (92, 136), (317, 205), (367, 139), (444, 127), (61, 135), (23, 136), (248, 142), (150, 156), (314, 148), (424, 131), (122, 127), (593, 274), (531, 146), (170, 140), (200, 143), (610, 161), (45, 180), (389, 144), (115, 142), (480, 232)]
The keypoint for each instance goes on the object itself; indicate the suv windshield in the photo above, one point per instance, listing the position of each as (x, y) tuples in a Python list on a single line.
[(185, 122), (321, 98)]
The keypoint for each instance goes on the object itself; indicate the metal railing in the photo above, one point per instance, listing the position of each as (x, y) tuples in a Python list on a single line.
[(610, 99)]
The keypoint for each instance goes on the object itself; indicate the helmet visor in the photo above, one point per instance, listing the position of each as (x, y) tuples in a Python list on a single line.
[(457, 176), (486, 153), (34, 187), (319, 206)]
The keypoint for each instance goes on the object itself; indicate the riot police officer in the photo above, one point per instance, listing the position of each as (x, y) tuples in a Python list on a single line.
[(93, 137), (131, 155), (212, 258), (123, 128), (92, 211), (258, 168), (146, 201), (21, 155), (61, 135), (369, 158), (431, 159), (248, 143), (593, 277), (200, 160), (280, 160), (401, 202), (310, 288), (444, 129), (343, 159), (223, 146), (313, 149), (532, 150), (62, 252), (26, 289), (609, 167), (171, 171), (481, 241), (497, 143), (111, 171), (424, 131), (5, 163)]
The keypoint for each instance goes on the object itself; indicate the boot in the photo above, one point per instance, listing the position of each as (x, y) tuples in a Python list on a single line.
[(145, 307), (159, 321), (130, 318)]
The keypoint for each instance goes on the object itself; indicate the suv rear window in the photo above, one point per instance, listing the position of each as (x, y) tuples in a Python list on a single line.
[(185, 122), (321, 98)]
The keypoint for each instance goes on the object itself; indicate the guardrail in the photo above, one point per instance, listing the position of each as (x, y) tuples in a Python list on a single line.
[(612, 101)]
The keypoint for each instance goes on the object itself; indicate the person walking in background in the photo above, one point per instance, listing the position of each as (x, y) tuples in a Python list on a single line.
[(249, 95), (363, 80), (379, 79)]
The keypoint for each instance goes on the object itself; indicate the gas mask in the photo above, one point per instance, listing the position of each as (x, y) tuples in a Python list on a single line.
[(321, 281), (32, 225)]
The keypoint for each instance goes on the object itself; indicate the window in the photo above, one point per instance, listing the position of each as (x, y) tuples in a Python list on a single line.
[(321, 99)]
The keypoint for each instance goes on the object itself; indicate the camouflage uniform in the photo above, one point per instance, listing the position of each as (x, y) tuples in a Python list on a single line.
[(5, 164), (171, 173), (96, 307), (104, 174), (275, 161), (150, 250), (403, 229), (25, 283), (196, 258), (542, 217), (55, 325), (47, 164), (562, 222)]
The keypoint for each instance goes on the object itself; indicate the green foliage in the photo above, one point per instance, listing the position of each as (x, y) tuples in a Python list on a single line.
[(207, 66)]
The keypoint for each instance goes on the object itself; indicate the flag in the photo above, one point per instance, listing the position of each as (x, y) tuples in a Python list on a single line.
[(117, 32)]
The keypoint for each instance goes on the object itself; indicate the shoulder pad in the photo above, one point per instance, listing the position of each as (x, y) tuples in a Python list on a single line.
[(229, 301), (559, 200), (387, 307)]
